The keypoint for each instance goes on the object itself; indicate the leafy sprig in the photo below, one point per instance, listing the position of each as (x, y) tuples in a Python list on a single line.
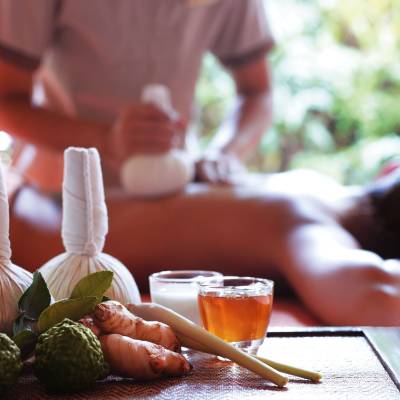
[(37, 313)]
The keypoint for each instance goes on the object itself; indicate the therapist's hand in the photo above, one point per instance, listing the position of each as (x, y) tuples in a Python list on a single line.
[(145, 129), (222, 169)]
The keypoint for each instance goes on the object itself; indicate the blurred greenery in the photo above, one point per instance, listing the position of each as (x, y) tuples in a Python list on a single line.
[(337, 87)]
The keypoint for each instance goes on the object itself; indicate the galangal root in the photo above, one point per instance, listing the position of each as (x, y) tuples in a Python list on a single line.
[(141, 360), (133, 347), (113, 317), (88, 321)]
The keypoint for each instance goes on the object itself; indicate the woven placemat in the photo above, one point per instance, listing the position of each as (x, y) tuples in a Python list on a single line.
[(349, 366)]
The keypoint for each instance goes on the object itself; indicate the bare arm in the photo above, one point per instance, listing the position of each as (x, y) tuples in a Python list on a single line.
[(138, 128), (242, 130), (39, 126), (244, 127), (341, 283)]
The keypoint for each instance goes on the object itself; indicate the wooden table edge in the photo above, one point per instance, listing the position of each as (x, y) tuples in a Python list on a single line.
[(384, 342)]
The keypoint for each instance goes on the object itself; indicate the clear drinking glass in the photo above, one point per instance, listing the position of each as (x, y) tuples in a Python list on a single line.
[(178, 290), (237, 309)]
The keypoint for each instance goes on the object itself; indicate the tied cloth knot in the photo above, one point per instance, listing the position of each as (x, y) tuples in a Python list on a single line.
[(85, 222)]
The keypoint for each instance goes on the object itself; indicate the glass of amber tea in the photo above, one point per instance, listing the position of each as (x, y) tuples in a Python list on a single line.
[(237, 309)]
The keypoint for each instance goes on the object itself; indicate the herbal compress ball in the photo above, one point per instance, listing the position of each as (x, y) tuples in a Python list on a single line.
[(68, 357), (10, 363)]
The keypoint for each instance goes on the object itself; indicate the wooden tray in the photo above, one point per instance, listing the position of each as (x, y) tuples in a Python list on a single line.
[(360, 364)]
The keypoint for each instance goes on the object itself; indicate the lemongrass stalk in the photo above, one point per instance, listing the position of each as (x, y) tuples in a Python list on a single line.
[(186, 328), (291, 370), (285, 368)]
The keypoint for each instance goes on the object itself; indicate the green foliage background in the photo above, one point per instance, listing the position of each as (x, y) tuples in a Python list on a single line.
[(337, 88)]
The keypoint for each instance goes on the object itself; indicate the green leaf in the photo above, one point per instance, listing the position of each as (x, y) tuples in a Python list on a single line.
[(36, 298), (26, 341), (23, 323), (72, 308), (95, 284), (18, 324)]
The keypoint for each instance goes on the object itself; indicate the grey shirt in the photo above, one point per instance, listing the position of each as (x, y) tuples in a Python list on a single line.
[(92, 57)]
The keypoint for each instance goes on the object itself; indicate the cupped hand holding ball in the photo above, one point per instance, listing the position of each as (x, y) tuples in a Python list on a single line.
[(224, 169), (143, 128), (149, 138)]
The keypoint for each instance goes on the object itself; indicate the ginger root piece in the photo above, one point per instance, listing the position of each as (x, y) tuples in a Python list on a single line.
[(113, 317), (141, 360), (88, 321)]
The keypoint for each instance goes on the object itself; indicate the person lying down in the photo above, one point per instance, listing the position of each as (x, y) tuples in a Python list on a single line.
[(336, 246)]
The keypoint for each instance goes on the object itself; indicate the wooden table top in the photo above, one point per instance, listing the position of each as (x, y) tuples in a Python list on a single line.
[(356, 363)]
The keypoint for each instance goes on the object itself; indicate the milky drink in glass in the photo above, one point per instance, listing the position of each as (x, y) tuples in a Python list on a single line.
[(178, 290)]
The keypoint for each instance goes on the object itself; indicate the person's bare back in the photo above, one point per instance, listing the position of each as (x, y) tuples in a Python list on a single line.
[(272, 230)]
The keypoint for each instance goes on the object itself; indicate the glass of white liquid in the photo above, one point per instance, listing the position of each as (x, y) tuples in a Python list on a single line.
[(178, 290)]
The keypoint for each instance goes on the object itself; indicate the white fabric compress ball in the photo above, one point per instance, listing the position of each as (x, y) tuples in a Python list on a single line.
[(158, 175), (13, 280), (84, 228), (152, 176)]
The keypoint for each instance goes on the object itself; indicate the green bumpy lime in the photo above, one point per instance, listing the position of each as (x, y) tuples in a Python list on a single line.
[(68, 357), (10, 363)]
